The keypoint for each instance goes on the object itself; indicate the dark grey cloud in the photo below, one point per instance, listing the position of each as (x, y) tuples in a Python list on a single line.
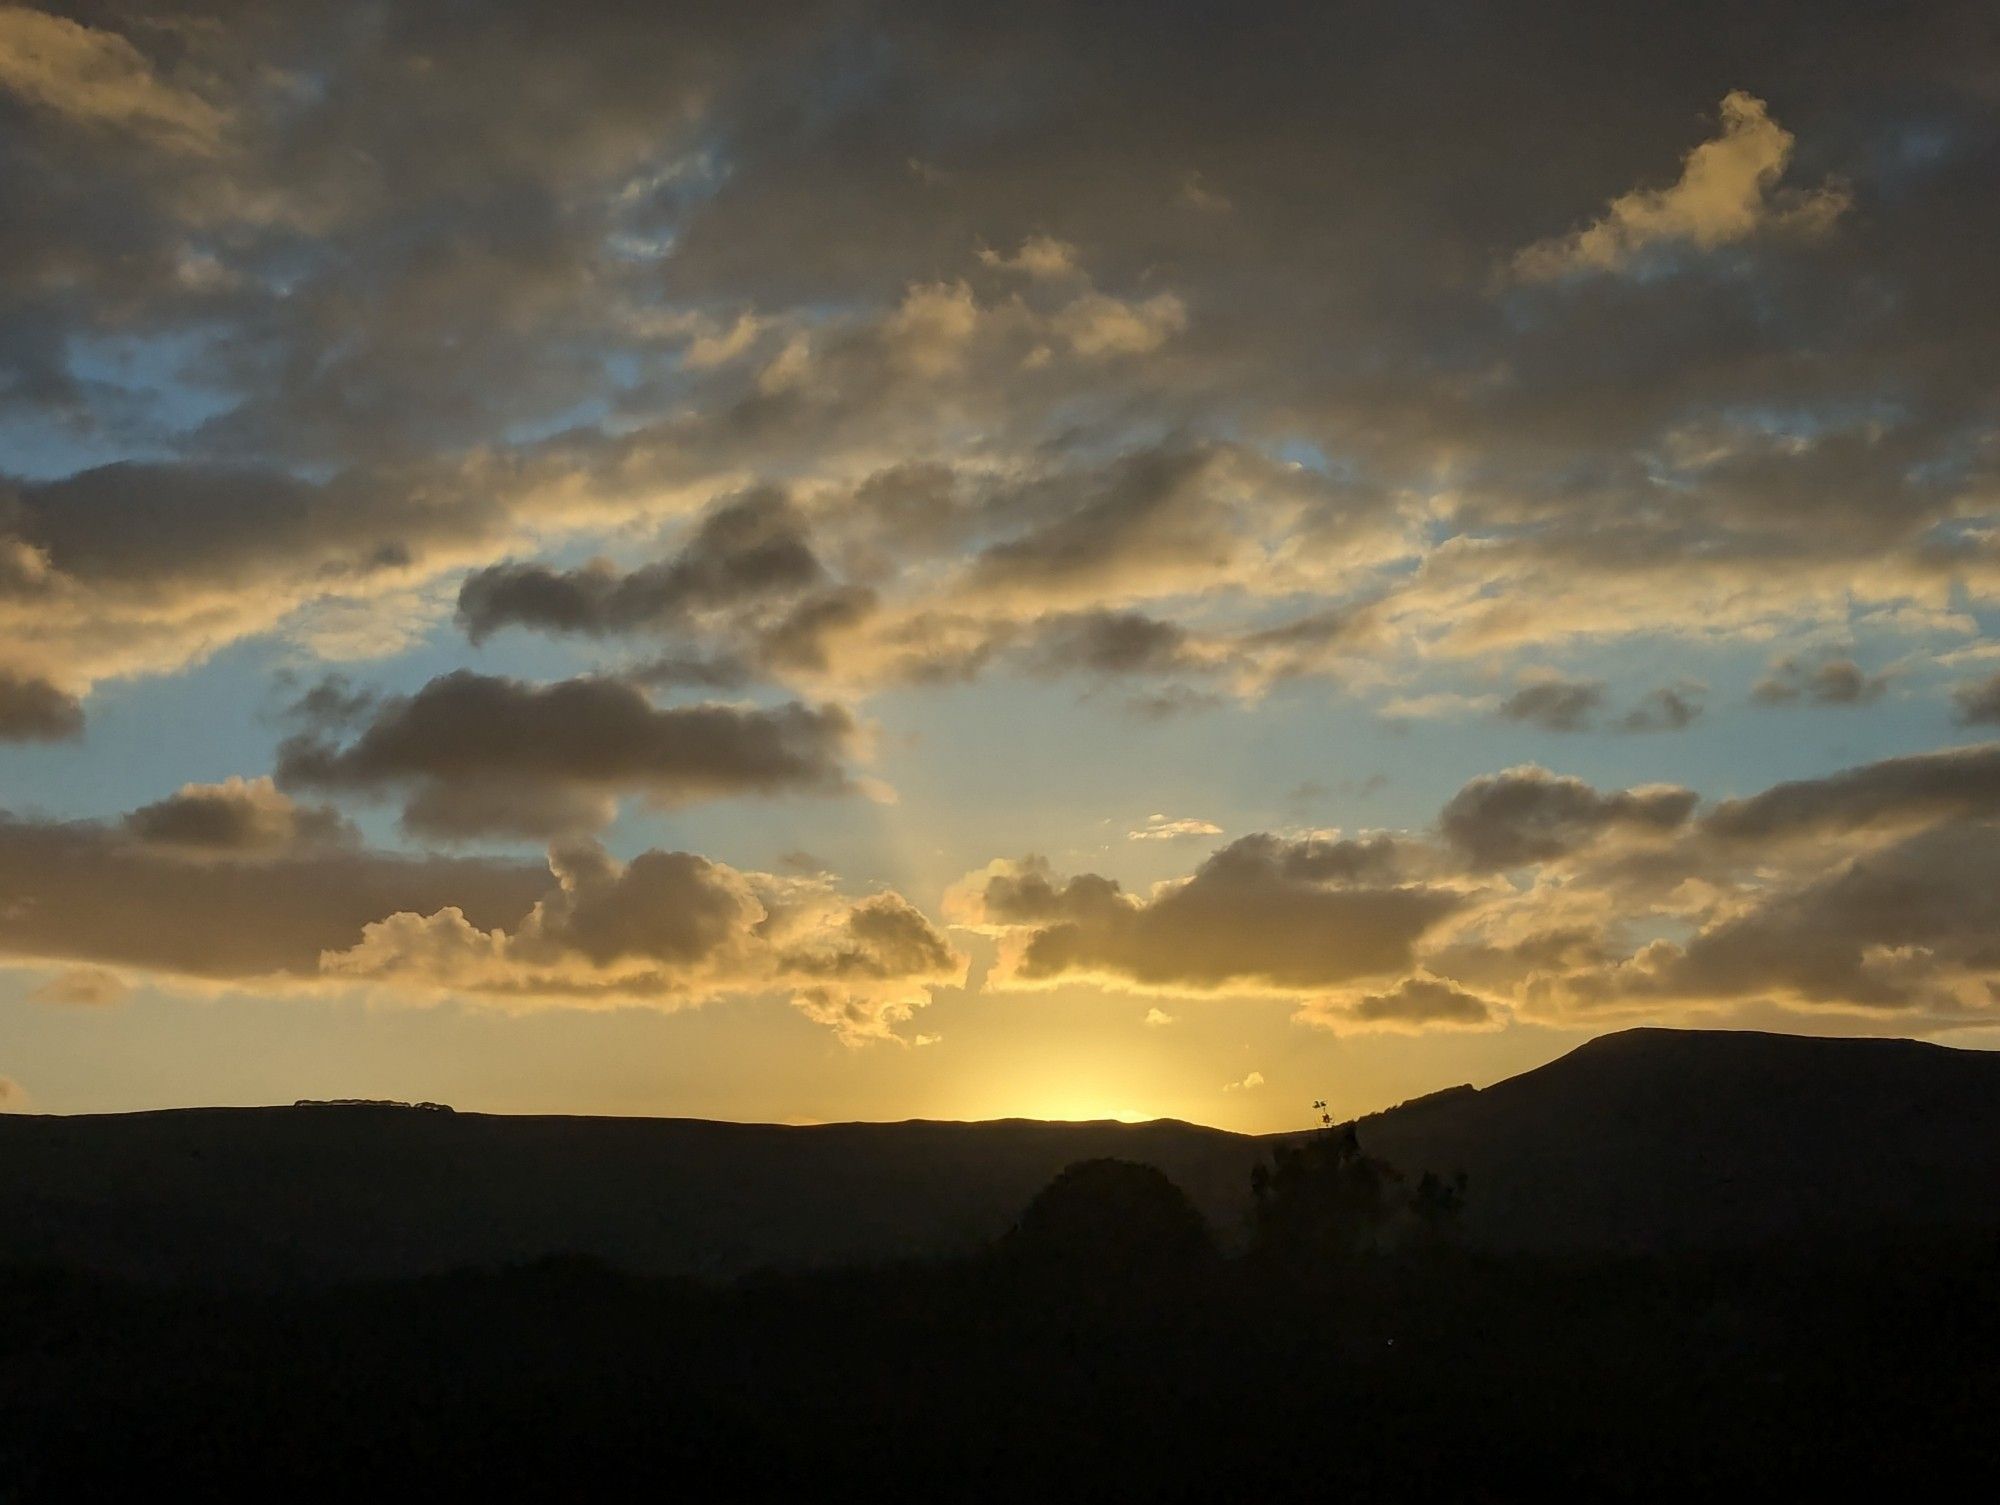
[(236, 818), (155, 527), (1953, 783), (1421, 1003), (1670, 708), (701, 241), (1556, 705), (1867, 892), (1110, 643), (1906, 929), (1260, 914), (671, 907), (1573, 705), (87, 892), (1529, 815), (478, 754), (384, 302), (143, 567), (1978, 703), (1152, 512), (880, 938), (753, 547), (674, 929), (1169, 702), (33, 710), (1826, 681), (330, 702), (1376, 858), (667, 929)]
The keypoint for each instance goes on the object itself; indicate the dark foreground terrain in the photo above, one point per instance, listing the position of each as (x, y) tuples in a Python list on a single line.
[(1438, 1375), (1680, 1266)]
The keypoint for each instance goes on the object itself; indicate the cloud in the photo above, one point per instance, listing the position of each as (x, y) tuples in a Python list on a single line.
[(330, 703), (238, 818), (479, 755), (1097, 325), (98, 78), (1196, 194), (136, 568), (1413, 1005), (1669, 708), (1904, 930), (1259, 916), (752, 547), (81, 987), (1436, 705), (1256, 416), (1107, 642), (673, 929), (1556, 705), (86, 893), (1249, 1083), (1861, 892), (664, 930), (1864, 893), (1978, 703), (1168, 702), (1529, 815), (1165, 828), (1147, 522), (699, 289), (869, 584), (1157, 1018), (1727, 192), (1040, 256), (1961, 783), (33, 710), (1828, 681), (1571, 705)]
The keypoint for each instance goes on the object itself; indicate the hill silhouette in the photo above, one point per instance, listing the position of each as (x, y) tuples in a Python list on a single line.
[(1658, 1139), (1645, 1141)]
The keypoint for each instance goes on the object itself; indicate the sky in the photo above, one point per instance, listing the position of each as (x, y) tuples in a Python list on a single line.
[(846, 560)]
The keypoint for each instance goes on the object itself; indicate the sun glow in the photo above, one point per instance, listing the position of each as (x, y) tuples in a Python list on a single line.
[(1083, 1110)]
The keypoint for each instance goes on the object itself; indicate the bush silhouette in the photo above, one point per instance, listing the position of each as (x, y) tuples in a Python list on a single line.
[(1110, 1220)]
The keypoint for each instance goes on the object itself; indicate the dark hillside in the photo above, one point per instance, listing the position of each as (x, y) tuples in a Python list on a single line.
[(1644, 1141)]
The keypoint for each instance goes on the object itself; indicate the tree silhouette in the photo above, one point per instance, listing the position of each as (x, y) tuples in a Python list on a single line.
[(1437, 1205), (1321, 1199)]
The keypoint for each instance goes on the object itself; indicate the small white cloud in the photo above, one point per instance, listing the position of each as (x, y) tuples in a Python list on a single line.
[(717, 347), (1249, 1084), (1167, 828), (1100, 325), (82, 987), (1196, 194), (1158, 1018), (1042, 257), (933, 326), (1439, 705), (1728, 191)]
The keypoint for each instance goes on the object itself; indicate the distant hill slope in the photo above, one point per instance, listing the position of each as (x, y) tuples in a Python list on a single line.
[(1650, 1139), (328, 1192), (1657, 1139)]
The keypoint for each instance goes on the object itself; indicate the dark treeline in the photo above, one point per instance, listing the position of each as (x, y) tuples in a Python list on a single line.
[(1106, 1348)]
